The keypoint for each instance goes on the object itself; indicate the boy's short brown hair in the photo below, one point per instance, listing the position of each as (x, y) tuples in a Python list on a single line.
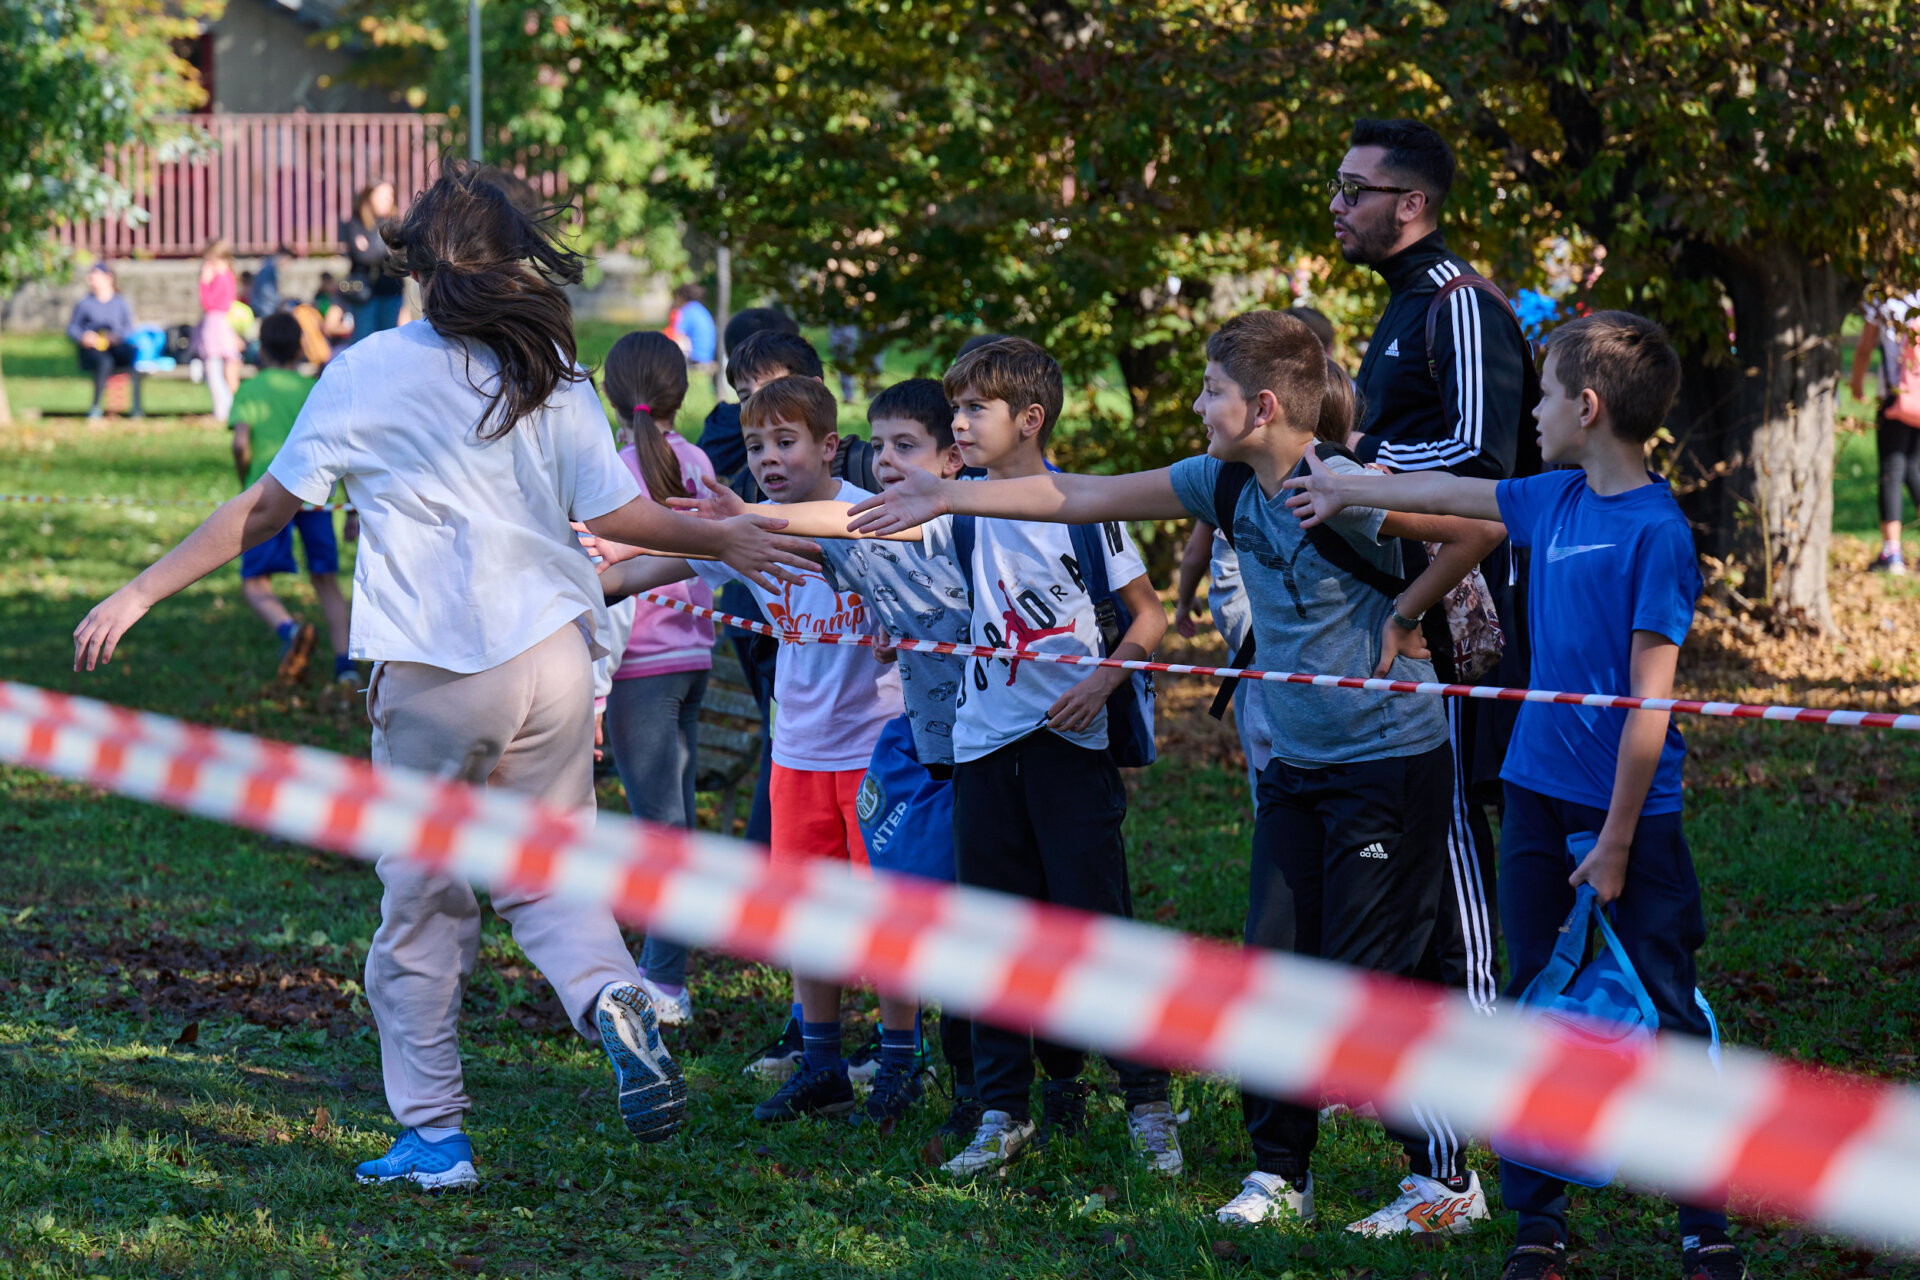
[(1626, 360), (1014, 370), (1273, 351), (793, 399)]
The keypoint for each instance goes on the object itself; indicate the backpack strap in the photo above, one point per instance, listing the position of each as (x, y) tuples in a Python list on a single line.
[(963, 539), (1223, 696), (1336, 550), (1465, 280), (1227, 488), (1090, 543)]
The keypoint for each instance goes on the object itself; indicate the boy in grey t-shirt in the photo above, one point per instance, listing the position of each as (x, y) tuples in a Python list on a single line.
[(1349, 850)]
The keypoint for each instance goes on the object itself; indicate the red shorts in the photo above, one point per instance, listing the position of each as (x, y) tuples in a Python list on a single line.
[(814, 816)]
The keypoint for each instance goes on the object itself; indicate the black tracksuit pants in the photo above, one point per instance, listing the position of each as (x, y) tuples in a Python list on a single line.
[(1040, 818), (1348, 865)]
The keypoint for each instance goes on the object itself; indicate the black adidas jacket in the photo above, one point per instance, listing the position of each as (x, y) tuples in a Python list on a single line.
[(1470, 420)]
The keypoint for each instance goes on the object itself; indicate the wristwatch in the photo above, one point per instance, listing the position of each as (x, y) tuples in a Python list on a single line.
[(1402, 621)]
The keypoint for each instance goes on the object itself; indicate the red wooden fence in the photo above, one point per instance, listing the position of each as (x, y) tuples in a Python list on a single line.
[(262, 181)]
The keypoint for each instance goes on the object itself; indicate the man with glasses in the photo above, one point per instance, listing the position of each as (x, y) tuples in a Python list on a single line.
[(1461, 407)]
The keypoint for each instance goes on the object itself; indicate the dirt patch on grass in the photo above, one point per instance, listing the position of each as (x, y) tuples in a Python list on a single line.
[(177, 980)]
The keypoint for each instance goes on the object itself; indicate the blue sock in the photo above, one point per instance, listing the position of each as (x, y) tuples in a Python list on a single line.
[(822, 1040), (896, 1049), (286, 630), (797, 1016)]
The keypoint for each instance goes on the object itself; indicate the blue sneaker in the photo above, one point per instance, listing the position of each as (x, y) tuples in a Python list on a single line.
[(653, 1093), (438, 1166)]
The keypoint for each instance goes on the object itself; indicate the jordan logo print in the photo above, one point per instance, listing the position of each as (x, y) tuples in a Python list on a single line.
[(1021, 634)]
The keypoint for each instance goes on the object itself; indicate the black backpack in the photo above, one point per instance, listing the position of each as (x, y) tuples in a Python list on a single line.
[(1334, 549), (1130, 706), (1526, 449)]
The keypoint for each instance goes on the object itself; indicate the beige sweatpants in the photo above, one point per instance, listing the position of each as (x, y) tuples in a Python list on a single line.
[(526, 725)]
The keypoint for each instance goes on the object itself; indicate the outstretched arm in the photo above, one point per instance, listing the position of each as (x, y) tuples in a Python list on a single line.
[(746, 542), (1323, 493), (239, 523), (1057, 497)]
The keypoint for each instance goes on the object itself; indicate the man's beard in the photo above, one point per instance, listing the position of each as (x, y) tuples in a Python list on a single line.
[(1371, 245)]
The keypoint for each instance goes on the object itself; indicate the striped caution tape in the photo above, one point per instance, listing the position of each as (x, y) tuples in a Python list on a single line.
[(1843, 1152), (1736, 710), (96, 501)]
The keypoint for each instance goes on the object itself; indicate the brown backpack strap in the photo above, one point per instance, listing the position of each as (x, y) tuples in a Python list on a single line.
[(1466, 280)]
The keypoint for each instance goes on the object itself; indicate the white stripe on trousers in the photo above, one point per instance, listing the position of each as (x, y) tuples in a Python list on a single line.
[(1470, 891)]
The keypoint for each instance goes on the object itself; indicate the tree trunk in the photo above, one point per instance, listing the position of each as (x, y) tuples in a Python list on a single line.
[(1758, 427)]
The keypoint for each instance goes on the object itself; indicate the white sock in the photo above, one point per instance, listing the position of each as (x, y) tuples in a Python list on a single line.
[(1890, 547), (437, 1135)]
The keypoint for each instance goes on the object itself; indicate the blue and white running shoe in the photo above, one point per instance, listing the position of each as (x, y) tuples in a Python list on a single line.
[(438, 1166), (653, 1093)]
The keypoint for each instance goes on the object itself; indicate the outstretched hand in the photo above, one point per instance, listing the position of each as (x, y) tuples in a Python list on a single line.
[(1318, 493), (751, 545), (95, 639), (712, 501), (907, 503), (609, 552)]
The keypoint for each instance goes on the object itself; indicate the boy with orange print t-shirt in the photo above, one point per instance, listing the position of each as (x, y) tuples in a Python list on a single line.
[(831, 702)]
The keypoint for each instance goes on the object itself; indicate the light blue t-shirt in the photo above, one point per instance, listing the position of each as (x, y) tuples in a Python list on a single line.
[(1311, 616), (1602, 568)]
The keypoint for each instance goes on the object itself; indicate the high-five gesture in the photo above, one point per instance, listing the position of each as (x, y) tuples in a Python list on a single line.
[(917, 497)]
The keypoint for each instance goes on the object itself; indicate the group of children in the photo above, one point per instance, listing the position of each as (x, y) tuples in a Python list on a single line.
[(1009, 770)]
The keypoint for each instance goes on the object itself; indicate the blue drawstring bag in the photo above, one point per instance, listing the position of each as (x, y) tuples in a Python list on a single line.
[(1601, 1001), (905, 813)]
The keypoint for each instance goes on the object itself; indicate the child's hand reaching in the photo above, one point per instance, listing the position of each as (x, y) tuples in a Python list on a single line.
[(713, 502), (908, 503), (1183, 620), (751, 547), (1318, 497), (610, 552)]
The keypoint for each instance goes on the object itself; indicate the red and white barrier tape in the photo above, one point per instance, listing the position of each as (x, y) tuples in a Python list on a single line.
[(1737, 710), (1840, 1151), (62, 500)]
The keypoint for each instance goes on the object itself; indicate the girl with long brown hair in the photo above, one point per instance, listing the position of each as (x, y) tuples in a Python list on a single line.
[(468, 444), (653, 710)]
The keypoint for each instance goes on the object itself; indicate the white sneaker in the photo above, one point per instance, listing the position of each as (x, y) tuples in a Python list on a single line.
[(1427, 1205), (1264, 1196), (998, 1139), (672, 1010), (1155, 1131)]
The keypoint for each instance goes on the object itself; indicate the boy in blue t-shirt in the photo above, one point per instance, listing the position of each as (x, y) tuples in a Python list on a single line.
[(1612, 585)]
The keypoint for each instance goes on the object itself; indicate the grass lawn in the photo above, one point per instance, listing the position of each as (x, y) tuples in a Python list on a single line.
[(188, 1070)]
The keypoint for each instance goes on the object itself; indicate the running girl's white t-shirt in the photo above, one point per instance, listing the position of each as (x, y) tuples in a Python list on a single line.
[(831, 700), (1029, 593), (466, 556)]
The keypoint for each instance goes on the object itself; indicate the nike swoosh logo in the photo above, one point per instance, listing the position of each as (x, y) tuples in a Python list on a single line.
[(1555, 554)]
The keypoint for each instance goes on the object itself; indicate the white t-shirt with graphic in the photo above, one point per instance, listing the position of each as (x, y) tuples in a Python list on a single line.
[(1029, 592), (831, 701)]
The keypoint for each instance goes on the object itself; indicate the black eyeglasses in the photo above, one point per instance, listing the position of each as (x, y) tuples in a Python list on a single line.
[(1350, 191)]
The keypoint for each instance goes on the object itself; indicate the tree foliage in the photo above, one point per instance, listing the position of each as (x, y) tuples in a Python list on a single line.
[(79, 78), (564, 95)]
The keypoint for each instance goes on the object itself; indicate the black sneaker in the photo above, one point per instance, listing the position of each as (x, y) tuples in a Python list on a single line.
[(1063, 1111), (779, 1057), (1720, 1260), (963, 1119), (895, 1089), (809, 1093), (1536, 1262)]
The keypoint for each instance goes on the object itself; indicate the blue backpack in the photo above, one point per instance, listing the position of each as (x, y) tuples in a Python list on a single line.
[(1601, 1001), (1130, 706), (905, 813)]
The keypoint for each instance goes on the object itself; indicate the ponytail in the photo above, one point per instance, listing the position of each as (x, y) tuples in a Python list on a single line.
[(646, 378), (1339, 408), (491, 274)]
